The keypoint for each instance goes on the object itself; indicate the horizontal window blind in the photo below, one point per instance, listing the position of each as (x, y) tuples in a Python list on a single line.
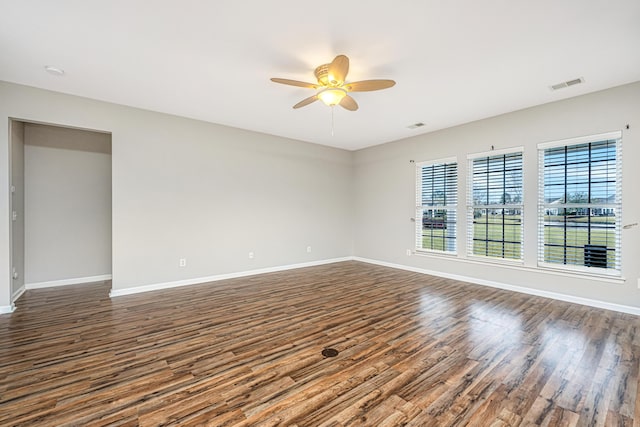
[(436, 205), (495, 201), (580, 205)]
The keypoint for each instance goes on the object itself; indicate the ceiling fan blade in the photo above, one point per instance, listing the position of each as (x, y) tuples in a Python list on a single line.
[(306, 101), (294, 83), (349, 103), (338, 70), (367, 85)]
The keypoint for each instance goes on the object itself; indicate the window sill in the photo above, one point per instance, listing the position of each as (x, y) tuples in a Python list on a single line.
[(428, 252), (496, 261), (520, 266), (577, 271)]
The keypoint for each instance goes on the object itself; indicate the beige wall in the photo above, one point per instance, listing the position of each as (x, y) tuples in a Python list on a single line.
[(209, 193), (189, 189), (67, 204), (385, 190), (17, 205)]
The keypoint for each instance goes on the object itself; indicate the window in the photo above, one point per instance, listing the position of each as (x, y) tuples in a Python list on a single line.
[(495, 205), (580, 203), (437, 200)]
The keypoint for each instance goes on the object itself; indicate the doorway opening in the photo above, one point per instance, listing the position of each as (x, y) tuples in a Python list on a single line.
[(60, 180)]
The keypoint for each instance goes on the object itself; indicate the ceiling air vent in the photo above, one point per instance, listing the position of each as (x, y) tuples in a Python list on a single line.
[(415, 125), (567, 83)]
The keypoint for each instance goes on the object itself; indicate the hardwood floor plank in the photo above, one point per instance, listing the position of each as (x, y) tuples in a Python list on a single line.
[(413, 350), (561, 417)]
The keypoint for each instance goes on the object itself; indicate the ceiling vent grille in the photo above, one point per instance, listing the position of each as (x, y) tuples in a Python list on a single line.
[(567, 83)]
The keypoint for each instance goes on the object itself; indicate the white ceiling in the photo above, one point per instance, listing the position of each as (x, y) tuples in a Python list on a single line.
[(454, 61)]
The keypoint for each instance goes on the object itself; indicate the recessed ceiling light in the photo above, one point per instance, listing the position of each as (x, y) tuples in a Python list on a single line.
[(54, 70)]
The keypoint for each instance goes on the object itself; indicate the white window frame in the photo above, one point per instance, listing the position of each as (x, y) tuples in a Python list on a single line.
[(448, 207), (471, 206), (617, 206)]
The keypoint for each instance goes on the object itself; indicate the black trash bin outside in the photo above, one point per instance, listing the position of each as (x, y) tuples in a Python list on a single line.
[(595, 256)]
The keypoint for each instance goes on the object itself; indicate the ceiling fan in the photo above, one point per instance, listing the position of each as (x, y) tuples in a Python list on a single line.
[(332, 87)]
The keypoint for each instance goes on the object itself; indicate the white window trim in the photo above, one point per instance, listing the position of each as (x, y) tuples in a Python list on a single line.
[(419, 207), (500, 152), (580, 140), (614, 273), (435, 162), (496, 260)]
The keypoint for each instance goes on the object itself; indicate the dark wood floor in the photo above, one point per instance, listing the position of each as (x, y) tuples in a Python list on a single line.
[(414, 350)]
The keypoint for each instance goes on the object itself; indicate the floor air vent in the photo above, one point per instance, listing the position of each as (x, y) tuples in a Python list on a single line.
[(329, 352)]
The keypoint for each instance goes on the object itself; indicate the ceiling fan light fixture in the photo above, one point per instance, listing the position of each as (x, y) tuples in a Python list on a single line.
[(332, 88), (332, 95)]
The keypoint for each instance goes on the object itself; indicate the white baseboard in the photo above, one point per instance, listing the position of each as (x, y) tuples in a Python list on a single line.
[(6, 309), (17, 294), (65, 282), (547, 294), (201, 280)]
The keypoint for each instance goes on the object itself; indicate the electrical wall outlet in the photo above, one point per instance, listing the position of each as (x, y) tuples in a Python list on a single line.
[(182, 262), (308, 249), (250, 255), (408, 252)]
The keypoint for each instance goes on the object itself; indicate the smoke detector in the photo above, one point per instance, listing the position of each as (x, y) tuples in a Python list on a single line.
[(55, 71)]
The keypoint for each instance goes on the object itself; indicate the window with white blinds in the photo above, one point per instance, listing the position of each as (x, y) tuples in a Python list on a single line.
[(436, 204), (580, 203), (495, 201)]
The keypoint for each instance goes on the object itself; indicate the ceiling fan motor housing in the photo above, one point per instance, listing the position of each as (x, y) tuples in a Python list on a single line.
[(322, 74)]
